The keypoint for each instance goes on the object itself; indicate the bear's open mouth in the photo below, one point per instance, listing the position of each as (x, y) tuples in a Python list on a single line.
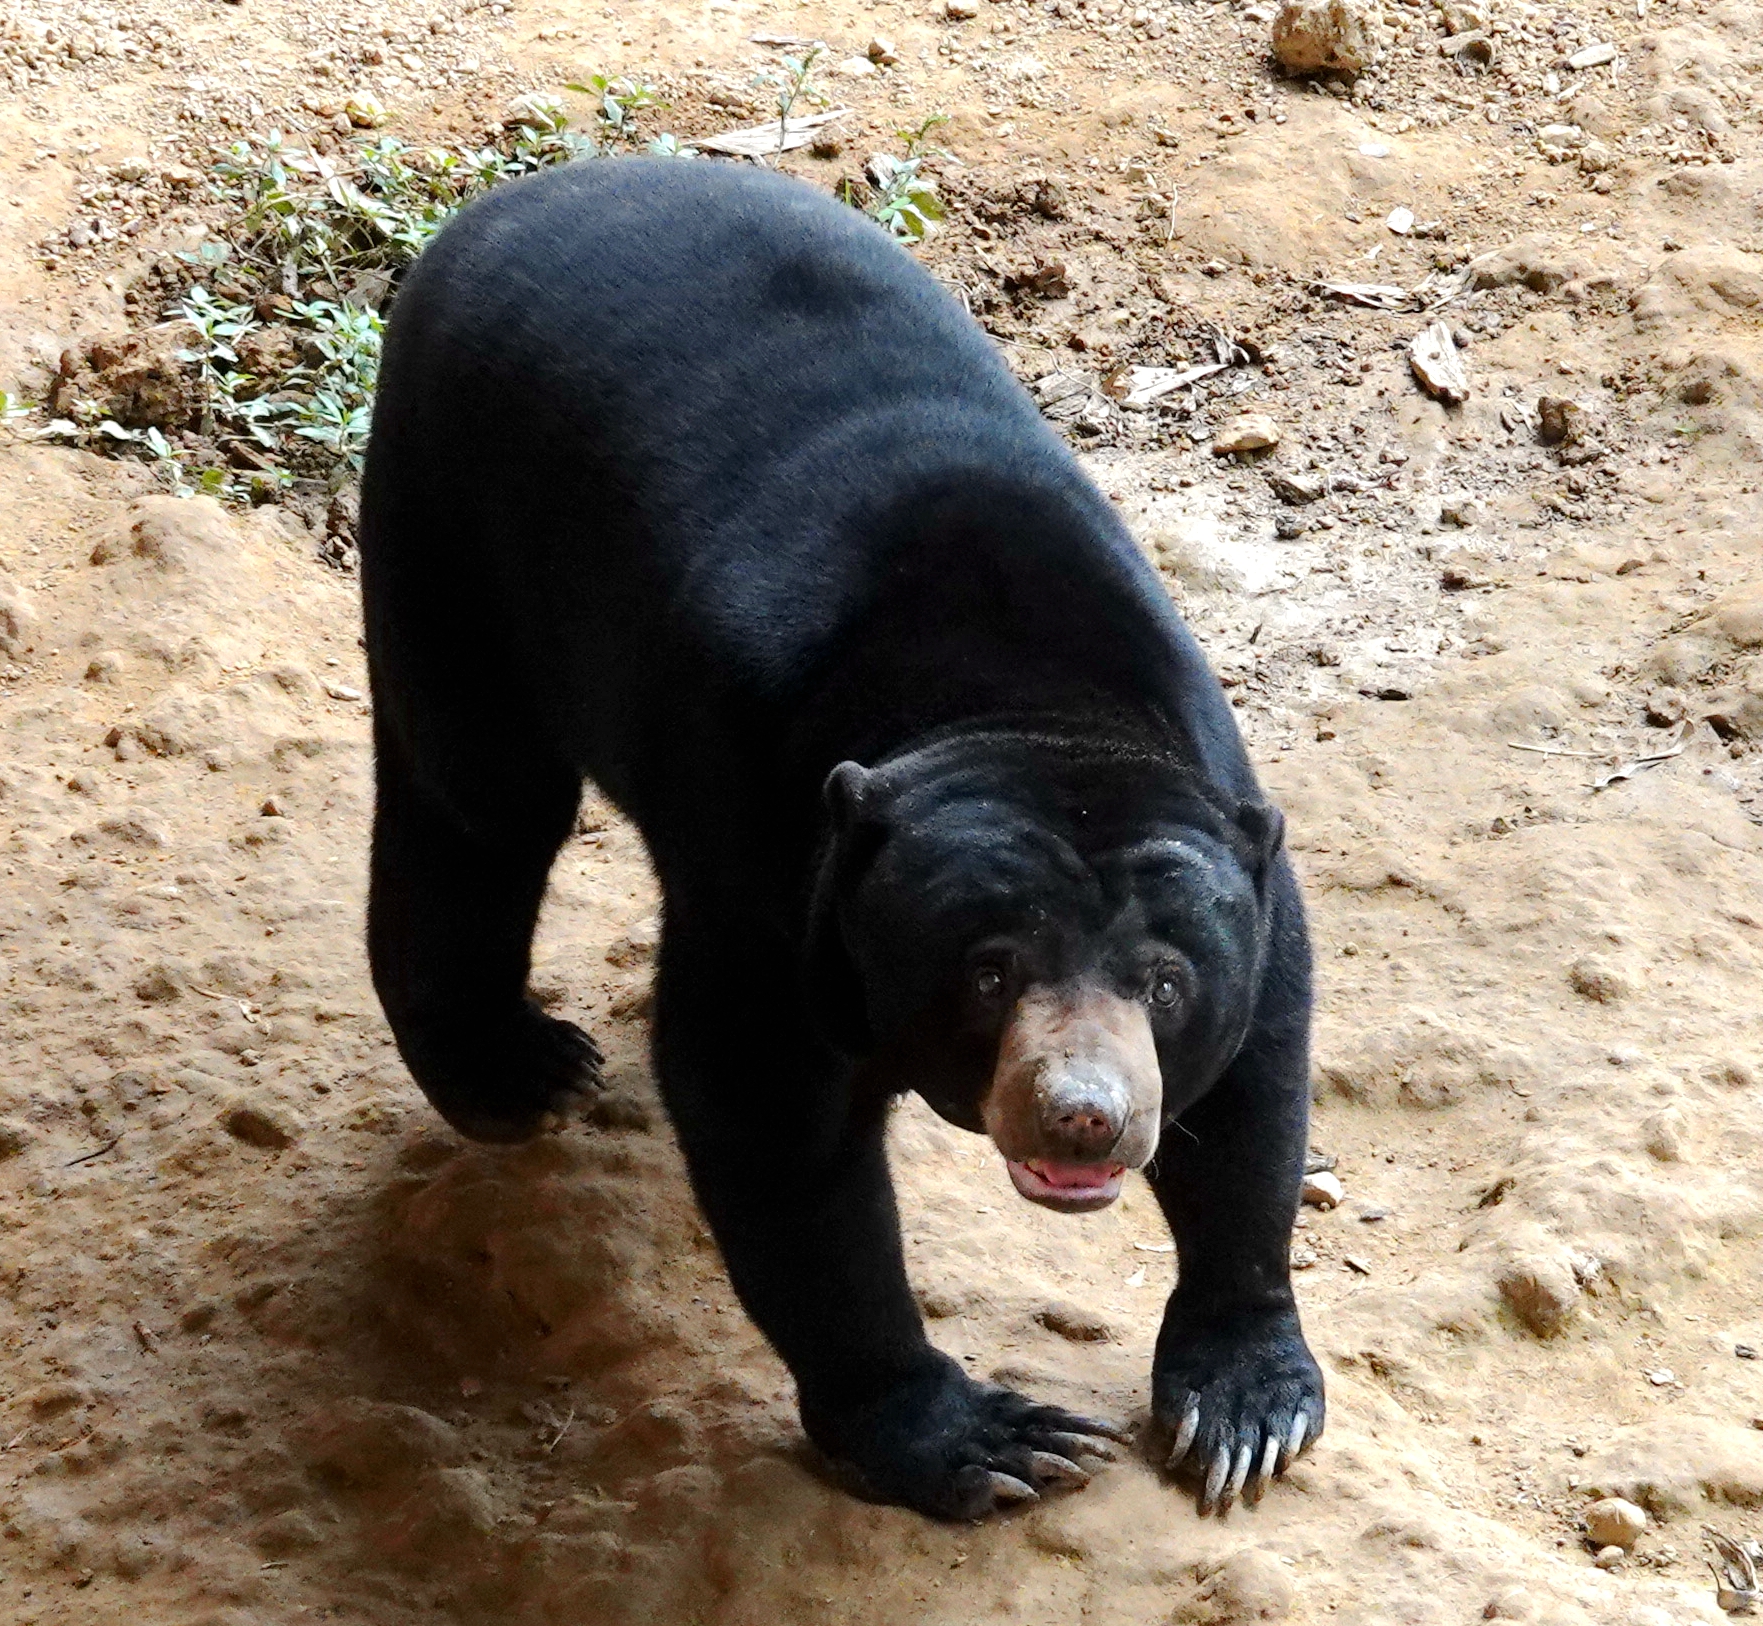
[(1073, 1188)]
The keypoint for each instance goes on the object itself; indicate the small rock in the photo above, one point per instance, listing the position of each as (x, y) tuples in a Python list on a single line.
[(1561, 422), (1597, 980), (341, 691), (365, 112), (1614, 1522), (1072, 1321), (1299, 488), (1661, 1377), (1475, 46), (15, 1137), (881, 50), (1323, 1190), (1609, 1558), (1325, 36), (960, 11), (1542, 1293), (1561, 138), (1400, 221), (856, 67), (1252, 432), (1436, 363), (637, 946), (1595, 158), (263, 1127), (1463, 512), (129, 169), (1593, 56), (1289, 527), (1359, 1267)]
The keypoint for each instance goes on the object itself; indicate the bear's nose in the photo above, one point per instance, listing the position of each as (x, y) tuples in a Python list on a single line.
[(1083, 1112)]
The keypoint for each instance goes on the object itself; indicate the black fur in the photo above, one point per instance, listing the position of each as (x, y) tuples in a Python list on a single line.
[(687, 480)]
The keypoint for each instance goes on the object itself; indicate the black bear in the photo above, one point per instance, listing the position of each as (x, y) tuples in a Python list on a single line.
[(686, 479)]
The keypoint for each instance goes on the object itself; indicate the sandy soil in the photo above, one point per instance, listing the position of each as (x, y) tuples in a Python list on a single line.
[(274, 1345)]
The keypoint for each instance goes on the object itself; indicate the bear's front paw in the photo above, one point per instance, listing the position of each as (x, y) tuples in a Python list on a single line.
[(1242, 1396), (956, 1449)]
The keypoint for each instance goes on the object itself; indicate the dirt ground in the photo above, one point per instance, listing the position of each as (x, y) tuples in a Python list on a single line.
[(274, 1345)]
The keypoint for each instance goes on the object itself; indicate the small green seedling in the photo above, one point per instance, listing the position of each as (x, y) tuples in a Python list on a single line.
[(792, 82)]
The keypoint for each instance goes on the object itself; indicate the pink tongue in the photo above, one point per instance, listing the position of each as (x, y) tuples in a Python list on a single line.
[(1075, 1176)]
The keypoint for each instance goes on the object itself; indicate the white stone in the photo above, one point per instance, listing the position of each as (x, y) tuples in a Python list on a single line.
[(1323, 1190), (1615, 1522)]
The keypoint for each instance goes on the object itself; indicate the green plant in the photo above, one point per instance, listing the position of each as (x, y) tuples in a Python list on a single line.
[(906, 200), (791, 81), (620, 101)]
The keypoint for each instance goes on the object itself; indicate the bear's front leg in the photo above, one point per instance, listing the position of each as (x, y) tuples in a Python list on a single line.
[(792, 1175), (1233, 1379)]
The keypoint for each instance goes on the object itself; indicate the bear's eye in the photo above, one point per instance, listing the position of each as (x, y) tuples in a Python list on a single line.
[(1165, 989), (988, 982)]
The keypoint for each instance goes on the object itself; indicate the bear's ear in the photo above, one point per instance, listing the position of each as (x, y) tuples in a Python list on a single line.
[(1265, 827), (830, 980), (849, 794)]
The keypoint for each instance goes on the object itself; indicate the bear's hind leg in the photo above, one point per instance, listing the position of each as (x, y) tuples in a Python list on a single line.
[(452, 904)]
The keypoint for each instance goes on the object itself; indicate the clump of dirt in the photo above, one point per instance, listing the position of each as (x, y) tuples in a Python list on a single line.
[(148, 380)]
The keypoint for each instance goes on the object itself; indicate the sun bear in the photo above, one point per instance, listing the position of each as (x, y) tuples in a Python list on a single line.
[(687, 480)]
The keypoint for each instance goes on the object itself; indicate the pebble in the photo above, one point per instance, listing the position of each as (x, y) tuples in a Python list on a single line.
[(1615, 1522), (1463, 512), (1400, 221), (1252, 432), (262, 1127), (1593, 56), (856, 67), (365, 112), (1542, 1293), (1609, 1558), (1323, 1190), (960, 11), (1590, 977), (881, 51), (1561, 138), (1299, 488)]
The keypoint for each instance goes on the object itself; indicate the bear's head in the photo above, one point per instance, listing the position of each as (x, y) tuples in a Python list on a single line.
[(1057, 944)]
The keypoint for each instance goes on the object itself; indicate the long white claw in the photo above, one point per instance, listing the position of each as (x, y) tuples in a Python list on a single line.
[(1263, 1472), (1074, 1445), (1215, 1479), (1294, 1440), (1239, 1471), (1184, 1436), (1051, 1469), (1006, 1489)]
